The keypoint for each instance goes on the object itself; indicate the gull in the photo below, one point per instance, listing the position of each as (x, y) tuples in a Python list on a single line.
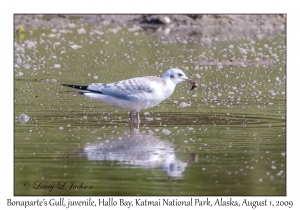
[(137, 93)]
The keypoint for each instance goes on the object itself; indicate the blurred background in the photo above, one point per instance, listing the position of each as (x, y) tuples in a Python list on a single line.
[(227, 137)]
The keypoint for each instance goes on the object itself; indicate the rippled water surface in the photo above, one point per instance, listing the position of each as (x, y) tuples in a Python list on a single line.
[(228, 137)]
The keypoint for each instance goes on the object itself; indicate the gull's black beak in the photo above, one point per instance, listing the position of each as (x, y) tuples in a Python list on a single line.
[(194, 84)]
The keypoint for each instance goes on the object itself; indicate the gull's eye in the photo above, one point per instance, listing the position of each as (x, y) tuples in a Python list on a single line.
[(179, 74)]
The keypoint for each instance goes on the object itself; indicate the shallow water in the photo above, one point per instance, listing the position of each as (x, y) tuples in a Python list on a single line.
[(228, 137)]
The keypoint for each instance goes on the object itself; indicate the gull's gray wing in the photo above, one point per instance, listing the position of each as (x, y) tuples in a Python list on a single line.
[(127, 89)]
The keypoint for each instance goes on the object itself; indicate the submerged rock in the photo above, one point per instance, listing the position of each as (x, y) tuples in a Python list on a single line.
[(23, 118)]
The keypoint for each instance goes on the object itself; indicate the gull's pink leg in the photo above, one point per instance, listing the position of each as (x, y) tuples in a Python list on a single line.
[(131, 119), (137, 120)]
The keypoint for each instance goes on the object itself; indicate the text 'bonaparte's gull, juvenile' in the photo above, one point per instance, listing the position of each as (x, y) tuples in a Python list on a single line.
[(137, 93)]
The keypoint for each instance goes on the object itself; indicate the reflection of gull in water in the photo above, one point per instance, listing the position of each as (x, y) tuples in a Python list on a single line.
[(145, 151)]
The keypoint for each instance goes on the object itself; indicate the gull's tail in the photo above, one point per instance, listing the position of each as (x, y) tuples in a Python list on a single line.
[(81, 87)]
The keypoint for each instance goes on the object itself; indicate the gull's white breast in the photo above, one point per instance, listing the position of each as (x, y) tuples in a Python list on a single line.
[(132, 94)]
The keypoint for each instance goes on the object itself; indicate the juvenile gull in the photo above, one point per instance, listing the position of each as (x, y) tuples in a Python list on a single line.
[(137, 93)]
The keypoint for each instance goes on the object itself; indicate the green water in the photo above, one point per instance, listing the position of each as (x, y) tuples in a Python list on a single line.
[(231, 136)]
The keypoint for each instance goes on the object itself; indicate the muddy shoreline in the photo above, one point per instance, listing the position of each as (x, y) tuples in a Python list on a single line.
[(205, 30), (192, 25)]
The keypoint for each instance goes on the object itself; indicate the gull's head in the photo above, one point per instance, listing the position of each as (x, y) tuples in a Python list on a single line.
[(176, 76)]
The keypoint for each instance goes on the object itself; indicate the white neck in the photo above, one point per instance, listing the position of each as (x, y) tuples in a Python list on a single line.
[(169, 88)]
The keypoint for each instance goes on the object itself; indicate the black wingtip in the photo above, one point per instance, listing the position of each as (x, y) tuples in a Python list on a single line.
[(81, 87)]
